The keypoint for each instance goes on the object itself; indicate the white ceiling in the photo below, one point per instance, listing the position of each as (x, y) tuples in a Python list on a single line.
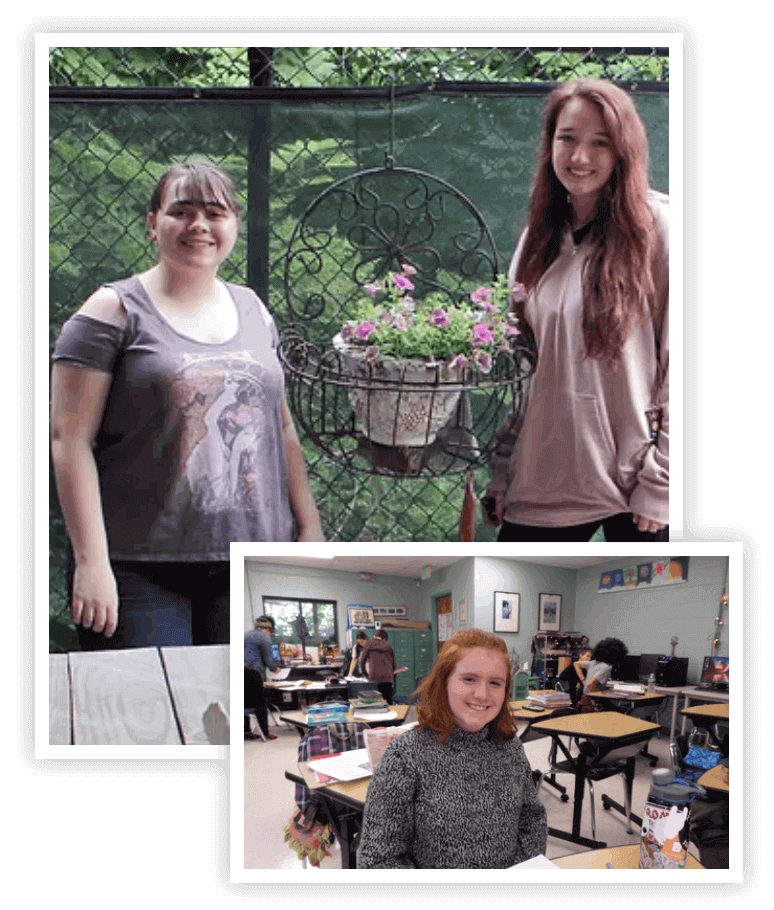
[(411, 566)]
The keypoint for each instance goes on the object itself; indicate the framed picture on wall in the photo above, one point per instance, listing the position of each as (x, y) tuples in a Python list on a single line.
[(360, 616), (550, 613), (506, 611)]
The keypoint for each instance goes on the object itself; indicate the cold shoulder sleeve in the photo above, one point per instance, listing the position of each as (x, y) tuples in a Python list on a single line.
[(89, 342)]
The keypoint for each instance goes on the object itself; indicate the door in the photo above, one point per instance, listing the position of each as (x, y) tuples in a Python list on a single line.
[(443, 610)]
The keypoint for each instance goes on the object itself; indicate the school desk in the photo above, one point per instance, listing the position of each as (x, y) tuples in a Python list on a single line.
[(628, 704), (706, 717), (714, 779), (287, 694), (694, 693), (626, 857), (606, 731)]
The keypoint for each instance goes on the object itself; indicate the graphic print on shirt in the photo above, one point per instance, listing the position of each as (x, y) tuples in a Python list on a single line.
[(221, 403)]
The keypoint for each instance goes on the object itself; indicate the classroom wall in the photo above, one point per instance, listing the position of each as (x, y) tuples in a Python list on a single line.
[(646, 618), (263, 579), (528, 580)]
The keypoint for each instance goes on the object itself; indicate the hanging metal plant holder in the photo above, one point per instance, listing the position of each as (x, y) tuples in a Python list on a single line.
[(393, 416)]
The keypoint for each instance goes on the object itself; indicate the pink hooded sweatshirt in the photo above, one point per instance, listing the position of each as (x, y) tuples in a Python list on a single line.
[(586, 450)]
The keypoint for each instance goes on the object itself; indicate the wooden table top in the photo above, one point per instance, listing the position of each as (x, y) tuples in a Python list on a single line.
[(619, 696), (626, 857), (517, 707), (133, 696), (711, 710), (353, 792), (714, 779), (597, 725)]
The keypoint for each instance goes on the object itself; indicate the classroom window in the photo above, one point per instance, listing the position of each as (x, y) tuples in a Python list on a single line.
[(319, 618)]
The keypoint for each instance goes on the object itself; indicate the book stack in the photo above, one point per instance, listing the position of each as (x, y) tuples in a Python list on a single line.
[(369, 701), (549, 698)]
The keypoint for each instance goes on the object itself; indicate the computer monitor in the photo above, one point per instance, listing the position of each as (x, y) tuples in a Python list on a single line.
[(715, 671), (275, 653), (628, 670), (648, 665)]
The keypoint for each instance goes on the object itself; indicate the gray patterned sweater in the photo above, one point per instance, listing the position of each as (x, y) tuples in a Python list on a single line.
[(468, 803)]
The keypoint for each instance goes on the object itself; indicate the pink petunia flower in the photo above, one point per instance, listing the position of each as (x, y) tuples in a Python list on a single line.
[(346, 331), (403, 282), (510, 329), (439, 318), (365, 329), (372, 288), (408, 269), (481, 295), (482, 334), (371, 354), (459, 361), (483, 360), (400, 322)]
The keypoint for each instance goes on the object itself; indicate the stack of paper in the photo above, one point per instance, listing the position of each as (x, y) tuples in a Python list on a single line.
[(549, 699), (620, 688), (351, 765)]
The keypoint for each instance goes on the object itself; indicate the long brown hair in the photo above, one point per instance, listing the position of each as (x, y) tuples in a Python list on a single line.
[(618, 282), (433, 711)]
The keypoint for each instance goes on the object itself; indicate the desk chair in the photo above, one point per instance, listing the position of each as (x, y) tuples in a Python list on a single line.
[(520, 688), (311, 826), (272, 711), (601, 763)]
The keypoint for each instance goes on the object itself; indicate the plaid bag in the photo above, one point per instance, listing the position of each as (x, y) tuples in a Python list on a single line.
[(327, 740), (306, 835)]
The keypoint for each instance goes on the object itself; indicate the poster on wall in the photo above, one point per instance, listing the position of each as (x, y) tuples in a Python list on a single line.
[(444, 626), (645, 575), (549, 612), (506, 611), (360, 616)]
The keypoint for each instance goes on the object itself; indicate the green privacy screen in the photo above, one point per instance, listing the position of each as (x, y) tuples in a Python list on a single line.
[(106, 156)]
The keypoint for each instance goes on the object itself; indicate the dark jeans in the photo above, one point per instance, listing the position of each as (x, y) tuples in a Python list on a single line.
[(165, 603), (386, 689), (618, 529), (255, 697)]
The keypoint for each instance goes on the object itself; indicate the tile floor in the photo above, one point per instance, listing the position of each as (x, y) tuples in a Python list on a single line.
[(268, 801)]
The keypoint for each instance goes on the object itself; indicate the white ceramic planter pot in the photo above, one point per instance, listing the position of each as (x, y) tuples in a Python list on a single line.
[(400, 402)]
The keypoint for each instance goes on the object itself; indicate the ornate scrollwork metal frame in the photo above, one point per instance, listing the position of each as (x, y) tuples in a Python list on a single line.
[(354, 232)]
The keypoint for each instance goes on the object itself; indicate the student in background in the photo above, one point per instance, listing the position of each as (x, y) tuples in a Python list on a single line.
[(575, 675), (351, 665), (456, 791), (258, 658), (608, 653), (377, 663)]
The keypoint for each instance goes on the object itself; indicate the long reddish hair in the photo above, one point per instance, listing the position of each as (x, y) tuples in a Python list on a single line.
[(433, 711), (618, 284)]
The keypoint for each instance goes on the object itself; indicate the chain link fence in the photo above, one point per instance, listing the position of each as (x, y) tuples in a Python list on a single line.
[(287, 123)]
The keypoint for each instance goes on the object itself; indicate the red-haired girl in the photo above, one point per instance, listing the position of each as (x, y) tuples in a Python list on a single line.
[(456, 791)]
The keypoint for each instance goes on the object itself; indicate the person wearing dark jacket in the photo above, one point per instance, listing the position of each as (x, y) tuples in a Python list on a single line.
[(258, 658), (378, 659)]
